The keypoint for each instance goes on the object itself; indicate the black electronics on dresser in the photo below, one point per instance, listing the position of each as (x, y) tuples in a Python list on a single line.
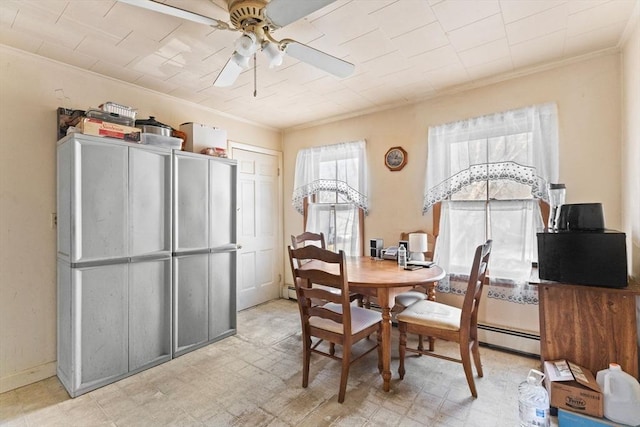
[(582, 251)]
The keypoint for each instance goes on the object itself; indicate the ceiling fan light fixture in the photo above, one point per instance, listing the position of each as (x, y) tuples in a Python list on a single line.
[(246, 45), (274, 54), (240, 60)]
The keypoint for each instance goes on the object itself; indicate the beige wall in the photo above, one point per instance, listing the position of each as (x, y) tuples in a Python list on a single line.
[(28, 103), (588, 98), (631, 146), (598, 101)]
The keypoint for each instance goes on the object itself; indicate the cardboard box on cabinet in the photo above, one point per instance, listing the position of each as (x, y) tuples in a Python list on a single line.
[(97, 127), (573, 388)]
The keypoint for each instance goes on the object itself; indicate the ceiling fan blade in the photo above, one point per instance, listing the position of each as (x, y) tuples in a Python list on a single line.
[(318, 59), (177, 12), (283, 12), (229, 74)]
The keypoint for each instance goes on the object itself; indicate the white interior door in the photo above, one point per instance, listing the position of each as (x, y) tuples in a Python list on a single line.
[(259, 202)]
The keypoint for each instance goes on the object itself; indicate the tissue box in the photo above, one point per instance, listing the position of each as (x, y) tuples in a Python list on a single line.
[(203, 136), (573, 388)]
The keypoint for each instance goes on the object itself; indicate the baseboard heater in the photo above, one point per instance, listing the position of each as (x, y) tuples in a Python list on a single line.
[(518, 342)]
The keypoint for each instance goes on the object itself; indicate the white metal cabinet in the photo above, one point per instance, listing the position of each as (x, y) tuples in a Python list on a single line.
[(114, 260), (191, 203), (100, 295), (222, 294), (204, 250), (149, 201), (149, 313)]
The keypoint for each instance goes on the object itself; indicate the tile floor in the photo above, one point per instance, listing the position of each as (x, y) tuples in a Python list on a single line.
[(254, 379)]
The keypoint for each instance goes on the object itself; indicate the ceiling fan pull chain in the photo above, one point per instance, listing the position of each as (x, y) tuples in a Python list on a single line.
[(255, 75)]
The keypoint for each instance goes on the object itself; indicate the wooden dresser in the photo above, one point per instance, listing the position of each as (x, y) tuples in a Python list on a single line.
[(591, 326)]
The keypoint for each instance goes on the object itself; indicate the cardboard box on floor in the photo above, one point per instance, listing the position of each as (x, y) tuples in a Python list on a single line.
[(572, 387)]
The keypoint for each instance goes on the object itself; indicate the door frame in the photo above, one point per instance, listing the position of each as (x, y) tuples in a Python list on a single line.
[(280, 257)]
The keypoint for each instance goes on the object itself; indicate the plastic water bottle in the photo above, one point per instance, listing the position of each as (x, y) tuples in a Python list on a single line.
[(402, 256), (621, 395), (533, 401)]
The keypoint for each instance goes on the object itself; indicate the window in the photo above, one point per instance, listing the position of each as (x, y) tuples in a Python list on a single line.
[(489, 173), (330, 190)]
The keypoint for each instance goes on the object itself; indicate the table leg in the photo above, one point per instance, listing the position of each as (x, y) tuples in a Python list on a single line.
[(383, 300), (431, 295)]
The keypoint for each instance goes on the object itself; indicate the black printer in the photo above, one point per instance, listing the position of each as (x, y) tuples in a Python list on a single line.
[(582, 251)]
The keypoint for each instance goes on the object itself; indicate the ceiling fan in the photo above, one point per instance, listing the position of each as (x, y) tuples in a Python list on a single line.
[(256, 20)]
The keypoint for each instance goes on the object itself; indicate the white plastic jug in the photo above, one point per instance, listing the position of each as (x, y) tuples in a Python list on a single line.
[(621, 395), (533, 401)]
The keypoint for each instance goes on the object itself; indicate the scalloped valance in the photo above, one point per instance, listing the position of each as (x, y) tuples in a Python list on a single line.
[(519, 145), (338, 167)]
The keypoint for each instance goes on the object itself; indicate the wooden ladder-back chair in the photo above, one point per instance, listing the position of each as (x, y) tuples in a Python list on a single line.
[(433, 319), (335, 321), (405, 299), (317, 239), (308, 238)]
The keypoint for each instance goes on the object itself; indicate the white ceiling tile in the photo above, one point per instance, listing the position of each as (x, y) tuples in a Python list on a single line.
[(403, 16), (43, 24), (368, 46), (361, 81), (66, 55), (297, 72), (188, 80), (492, 68), (8, 13), (539, 50), (155, 66), (577, 6), (613, 12), (117, 72), (454, 14), (449, 75), (350, 22), (538, 25), (216, 9), (138, 44), (55, 7), (488, 52), (104, 50), (93, 16), (478, 33), (154, 25), (305, 32), (593, 41), (420, 40), (514, 10), (436, 58), (188, 95), (391, 63)]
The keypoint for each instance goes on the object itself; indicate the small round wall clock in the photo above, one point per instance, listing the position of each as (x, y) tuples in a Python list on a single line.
[(395, 159)]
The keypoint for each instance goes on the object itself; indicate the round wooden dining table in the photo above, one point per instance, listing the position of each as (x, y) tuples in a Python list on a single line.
[(384, 279)]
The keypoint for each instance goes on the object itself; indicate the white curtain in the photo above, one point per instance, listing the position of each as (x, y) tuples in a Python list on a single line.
[(511, 224), (340, 224), (472, 167), (517, 145), (512, 227), (462, 229), (340, 168)]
